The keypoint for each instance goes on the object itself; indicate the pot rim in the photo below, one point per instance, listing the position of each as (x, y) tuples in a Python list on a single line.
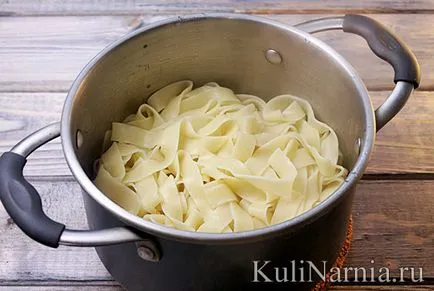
[(220, 238)]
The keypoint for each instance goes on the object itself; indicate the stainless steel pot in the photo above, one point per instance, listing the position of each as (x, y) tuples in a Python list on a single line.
[(250, 55)]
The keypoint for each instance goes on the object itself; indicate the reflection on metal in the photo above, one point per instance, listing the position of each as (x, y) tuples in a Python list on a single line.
[(30, 143), (79, 139), (93, 238), (323, 24), (393, 103), (273, 57), (148, 251), (357, 145)]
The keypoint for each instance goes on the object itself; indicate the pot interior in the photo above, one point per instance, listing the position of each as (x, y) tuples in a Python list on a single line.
[(227, 50)]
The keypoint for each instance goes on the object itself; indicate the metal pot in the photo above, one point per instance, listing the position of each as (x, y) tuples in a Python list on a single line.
[(250, 55)]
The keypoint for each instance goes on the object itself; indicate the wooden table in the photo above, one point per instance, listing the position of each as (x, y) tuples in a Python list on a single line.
[(44, 44)]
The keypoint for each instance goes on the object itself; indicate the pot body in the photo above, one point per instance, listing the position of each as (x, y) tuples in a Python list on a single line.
[(235, 52), (185, 266)]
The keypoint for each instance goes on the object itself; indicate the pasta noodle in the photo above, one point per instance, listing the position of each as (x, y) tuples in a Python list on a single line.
[(209, 160)]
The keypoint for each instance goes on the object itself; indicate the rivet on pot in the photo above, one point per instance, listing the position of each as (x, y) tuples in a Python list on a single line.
[(148, 251), (273, 57), (79, 139), (357, 145)]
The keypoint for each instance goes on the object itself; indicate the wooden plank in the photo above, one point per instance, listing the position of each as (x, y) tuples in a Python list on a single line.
[(23, 259), (44, 53), (82, 7), (393, 225), (47, 53), (404, 146), (74, 287), (379, 288), (24, 113)]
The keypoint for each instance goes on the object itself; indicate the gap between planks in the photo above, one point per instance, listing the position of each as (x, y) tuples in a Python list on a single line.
[(113, 286), (391, 232), (63, 45), (403, 150), (365, 177), (82, 7)]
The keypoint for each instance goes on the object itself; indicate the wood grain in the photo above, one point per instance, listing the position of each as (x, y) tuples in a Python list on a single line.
[(82, 7), (24, 113), (393, 225), (47, 53), (379, 288), (74, 287), (404, 146), (393, 219), (23, 259), (406, 143)]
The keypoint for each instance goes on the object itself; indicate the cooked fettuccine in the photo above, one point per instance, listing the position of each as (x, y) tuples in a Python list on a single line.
[(210, 160)]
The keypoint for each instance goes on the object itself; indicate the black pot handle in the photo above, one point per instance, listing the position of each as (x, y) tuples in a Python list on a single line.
[(387, 46), (23, 203)]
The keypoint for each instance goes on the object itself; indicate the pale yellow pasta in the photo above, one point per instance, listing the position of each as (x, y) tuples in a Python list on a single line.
[(209, 160)]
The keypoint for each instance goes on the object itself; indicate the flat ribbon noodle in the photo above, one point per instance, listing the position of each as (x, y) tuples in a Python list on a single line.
[(209, 160)]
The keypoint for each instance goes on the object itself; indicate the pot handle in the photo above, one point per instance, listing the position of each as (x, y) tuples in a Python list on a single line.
[(387, 46), (23, 203)]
